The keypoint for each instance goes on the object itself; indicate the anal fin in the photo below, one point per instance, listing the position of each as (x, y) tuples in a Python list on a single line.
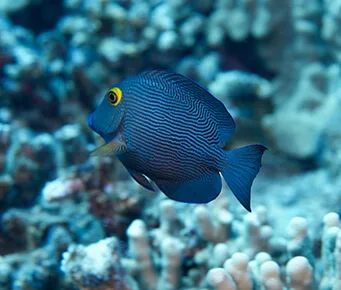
[(202, 189)]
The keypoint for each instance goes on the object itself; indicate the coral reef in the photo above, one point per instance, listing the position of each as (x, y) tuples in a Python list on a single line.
[(72, 222), (159, 259)]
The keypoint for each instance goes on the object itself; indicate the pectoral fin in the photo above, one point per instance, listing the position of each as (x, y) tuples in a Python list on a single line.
[(115, 147), (142, 180)]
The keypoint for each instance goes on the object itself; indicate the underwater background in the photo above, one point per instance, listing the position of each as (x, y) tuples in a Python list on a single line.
[(71, 222)]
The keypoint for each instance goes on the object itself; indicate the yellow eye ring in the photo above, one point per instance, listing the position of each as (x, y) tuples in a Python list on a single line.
[(114, 96)]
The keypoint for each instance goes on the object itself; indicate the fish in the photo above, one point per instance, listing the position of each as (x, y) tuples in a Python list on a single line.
[(171, 135)]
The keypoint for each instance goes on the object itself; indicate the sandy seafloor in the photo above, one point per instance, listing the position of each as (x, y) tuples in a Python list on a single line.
[(70, 222)]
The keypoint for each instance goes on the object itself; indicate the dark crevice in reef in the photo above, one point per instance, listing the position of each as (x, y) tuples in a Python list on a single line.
[(39, 16), (242, 56)]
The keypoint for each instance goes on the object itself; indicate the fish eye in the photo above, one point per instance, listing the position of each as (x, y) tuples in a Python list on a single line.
[(114, 96)]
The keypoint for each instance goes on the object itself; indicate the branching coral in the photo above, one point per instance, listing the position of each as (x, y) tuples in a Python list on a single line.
[(155, 256)]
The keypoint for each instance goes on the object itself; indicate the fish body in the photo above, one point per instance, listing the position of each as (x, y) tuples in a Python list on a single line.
[(169, 131)]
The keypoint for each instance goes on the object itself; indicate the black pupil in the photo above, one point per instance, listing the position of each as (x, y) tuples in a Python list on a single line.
[(113, 97)]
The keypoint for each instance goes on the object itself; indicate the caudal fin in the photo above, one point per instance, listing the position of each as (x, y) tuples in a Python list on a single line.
[(242, 166)]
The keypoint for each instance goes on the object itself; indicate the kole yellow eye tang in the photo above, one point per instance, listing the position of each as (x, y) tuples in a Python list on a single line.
[(169, 131)]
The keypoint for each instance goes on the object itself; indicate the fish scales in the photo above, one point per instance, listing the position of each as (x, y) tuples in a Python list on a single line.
[(165, 126)]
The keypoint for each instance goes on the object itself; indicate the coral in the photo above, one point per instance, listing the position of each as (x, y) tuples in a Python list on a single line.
[(337, 254), (5, 132), (221, 280), (155, 254), (5, 274), (31, 160), (299, 273), (304, 139), (171, 252), (237, 267), (61, 188), (140, 250), (96, 266), (9, 6), (270, 275), (33, 270), (331, 27), (6, 183), (299, 243), (73, 144)]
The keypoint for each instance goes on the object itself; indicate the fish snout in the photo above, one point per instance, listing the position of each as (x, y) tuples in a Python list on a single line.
[(98, 127), (90, 120)]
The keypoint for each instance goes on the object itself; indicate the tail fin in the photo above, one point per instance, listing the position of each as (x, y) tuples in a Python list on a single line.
[(241, 168)]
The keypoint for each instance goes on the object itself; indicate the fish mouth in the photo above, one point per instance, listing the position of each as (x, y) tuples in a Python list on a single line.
[(102, 132), (90, 120), (111, 136), (105, 133)]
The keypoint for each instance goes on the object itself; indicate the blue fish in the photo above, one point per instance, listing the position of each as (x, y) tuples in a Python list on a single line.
[(172, 134)]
